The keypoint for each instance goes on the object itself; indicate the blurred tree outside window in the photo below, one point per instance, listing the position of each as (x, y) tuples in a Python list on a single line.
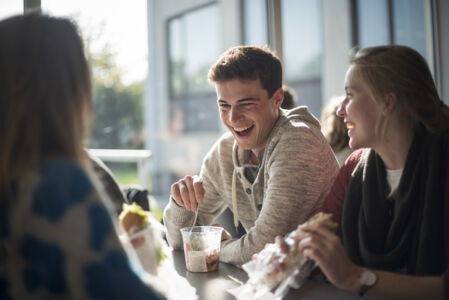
[(114, 35)]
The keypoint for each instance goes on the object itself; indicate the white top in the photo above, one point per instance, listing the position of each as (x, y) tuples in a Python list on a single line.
[(393, 178)]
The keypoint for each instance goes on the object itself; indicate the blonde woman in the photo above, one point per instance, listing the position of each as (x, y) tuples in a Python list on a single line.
[(391, 196), (334, 130), (57, 238)]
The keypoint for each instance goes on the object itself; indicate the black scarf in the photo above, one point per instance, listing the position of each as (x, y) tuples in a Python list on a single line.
[(411, 238)]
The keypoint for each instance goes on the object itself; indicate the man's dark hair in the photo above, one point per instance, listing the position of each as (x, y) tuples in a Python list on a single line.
[(249, 63)]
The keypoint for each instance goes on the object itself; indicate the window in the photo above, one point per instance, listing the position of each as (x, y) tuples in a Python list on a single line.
[(373, 23), (194, 46), (115, 37), (402, 22), (303, 48), (410, 25), (255, 28), (10, 8)]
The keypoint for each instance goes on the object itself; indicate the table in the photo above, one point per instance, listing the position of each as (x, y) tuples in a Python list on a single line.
[(213, 285)]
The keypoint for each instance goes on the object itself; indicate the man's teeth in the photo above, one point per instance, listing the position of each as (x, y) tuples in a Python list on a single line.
[(349, 125), (242, 128)]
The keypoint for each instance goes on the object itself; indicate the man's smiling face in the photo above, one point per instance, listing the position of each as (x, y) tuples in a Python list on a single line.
[(248, 112)]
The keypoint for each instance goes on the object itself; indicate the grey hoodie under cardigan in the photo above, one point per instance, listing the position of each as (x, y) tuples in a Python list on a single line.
[(295, 174)]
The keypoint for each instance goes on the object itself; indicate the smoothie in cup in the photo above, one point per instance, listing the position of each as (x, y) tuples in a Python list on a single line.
[(201, 247)]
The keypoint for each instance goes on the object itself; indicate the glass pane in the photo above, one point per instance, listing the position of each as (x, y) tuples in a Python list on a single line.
[(177, 61), (373, 23), (189, 39), (9, 8), (202, 46), (255, 22), (303, 48), (115, 37), (409, 24), (193, 49), (302, 38)]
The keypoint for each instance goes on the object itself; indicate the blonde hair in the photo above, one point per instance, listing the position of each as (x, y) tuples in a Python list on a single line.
[(404, 72), (46, 94), (332, 126)]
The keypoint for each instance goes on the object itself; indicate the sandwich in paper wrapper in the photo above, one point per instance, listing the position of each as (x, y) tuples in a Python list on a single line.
[(143, 232), (272, 272)]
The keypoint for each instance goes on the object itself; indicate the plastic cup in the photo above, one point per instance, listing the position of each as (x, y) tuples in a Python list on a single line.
[(201, 247)]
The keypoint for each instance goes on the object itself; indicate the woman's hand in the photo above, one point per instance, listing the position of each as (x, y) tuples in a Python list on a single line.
[(279, 241), (326, 249)]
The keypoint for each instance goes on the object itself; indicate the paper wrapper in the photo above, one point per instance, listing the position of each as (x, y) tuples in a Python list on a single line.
[(272, 273), (147, 244), (151, 259), (146, 249)]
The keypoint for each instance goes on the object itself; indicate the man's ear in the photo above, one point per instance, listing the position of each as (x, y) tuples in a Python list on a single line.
[(390, 102), (278, 97)]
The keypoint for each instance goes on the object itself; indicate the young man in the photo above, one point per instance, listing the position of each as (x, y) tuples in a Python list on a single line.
[(272, 169)]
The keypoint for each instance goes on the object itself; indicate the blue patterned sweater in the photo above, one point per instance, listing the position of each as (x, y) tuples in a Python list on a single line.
[(58, 240)]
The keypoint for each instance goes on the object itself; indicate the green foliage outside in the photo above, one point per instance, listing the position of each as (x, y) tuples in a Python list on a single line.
[(118, 117), (125, 175), (158, 212), (118, 120)]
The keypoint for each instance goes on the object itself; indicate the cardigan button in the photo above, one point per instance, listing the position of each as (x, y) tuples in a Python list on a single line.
[(248, 191)]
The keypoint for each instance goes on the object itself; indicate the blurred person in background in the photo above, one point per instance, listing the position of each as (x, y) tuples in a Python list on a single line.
[(334, 129), (289, 98), (58, 238)]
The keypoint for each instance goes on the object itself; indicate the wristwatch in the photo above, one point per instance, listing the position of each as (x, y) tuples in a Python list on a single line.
[(368, 279)]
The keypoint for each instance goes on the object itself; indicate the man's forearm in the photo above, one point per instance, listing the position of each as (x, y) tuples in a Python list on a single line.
[(175, 218)]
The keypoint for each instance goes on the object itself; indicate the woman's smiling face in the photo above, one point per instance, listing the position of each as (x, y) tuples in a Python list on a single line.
[(248, 112), (359, 111)]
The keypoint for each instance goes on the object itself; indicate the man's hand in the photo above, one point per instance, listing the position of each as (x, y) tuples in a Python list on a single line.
[(188, 192)]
